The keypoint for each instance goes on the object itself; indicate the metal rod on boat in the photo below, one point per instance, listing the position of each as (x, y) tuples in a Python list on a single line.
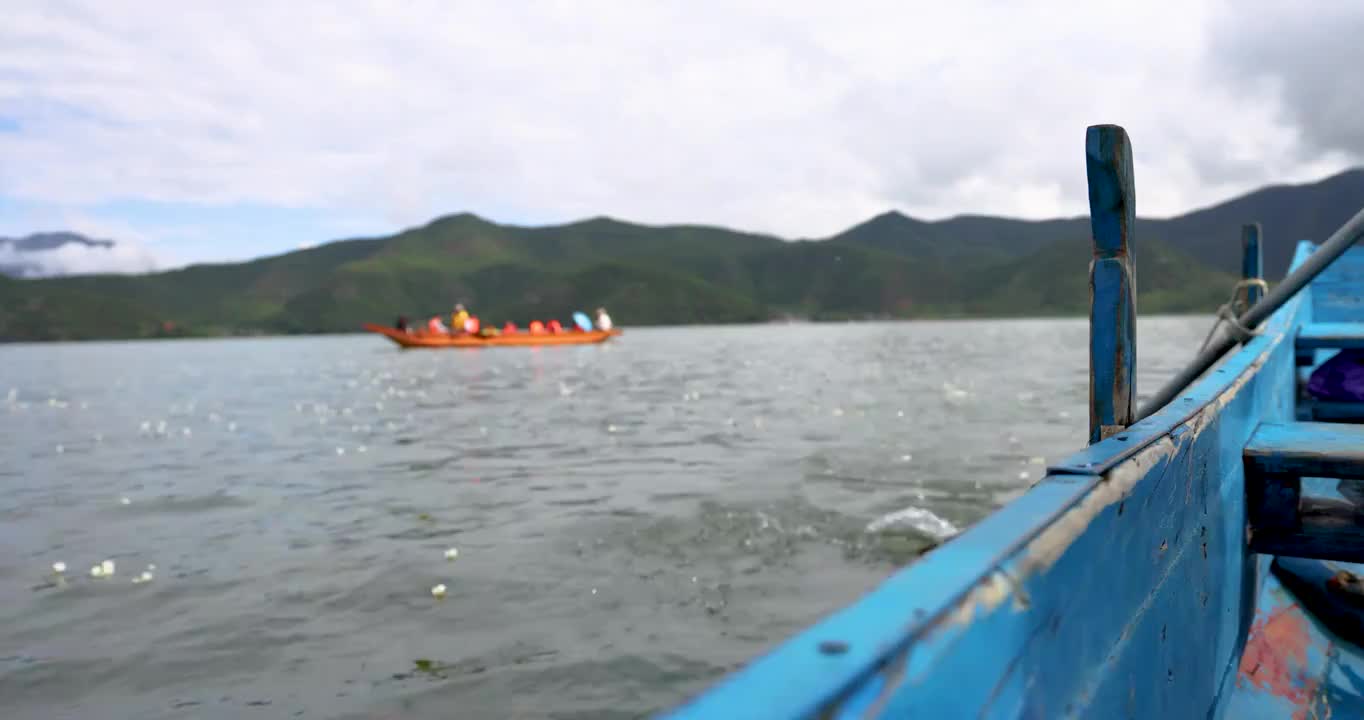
[(1112, 281), (1252, 262), (1334, 247)]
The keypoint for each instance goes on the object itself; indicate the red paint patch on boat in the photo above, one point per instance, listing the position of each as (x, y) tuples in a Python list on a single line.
[(1275, 659)]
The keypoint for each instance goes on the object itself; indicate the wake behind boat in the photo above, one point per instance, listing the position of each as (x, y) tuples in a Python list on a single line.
[(424, 339)]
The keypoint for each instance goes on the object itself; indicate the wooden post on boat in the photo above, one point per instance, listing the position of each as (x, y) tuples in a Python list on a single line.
[(1252, 262), (1112, 281)]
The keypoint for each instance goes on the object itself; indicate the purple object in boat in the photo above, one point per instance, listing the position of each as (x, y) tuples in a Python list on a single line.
[(1340, 379)]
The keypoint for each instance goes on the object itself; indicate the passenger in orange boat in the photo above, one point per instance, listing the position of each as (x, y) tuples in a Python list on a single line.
[(509, 328), (537, 327), (554, 327), (603, 320), (458, 318), (471, 325), (436, 327)]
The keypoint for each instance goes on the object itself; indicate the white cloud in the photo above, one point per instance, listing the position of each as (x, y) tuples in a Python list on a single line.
[(77, 259), (788, 117)]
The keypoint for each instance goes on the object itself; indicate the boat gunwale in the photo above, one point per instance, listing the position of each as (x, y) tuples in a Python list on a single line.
[(1066, 485)]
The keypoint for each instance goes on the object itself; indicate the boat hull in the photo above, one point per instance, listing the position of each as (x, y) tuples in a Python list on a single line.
[(520, 339), (1121, 585)]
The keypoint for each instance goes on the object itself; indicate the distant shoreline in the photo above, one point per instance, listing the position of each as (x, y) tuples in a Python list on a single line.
[(627, 328)]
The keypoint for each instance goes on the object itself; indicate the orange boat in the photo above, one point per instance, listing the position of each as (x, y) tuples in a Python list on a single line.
[(415, 339)]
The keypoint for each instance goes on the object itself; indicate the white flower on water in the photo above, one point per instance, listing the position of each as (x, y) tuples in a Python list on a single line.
[(124, 501), (107, 566), (438, 591), (145, 577), (59, 567), (953, 392), (451, 554)]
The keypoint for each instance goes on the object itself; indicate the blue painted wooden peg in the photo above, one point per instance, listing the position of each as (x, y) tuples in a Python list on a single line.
[(1112, 281), (1252, 262)]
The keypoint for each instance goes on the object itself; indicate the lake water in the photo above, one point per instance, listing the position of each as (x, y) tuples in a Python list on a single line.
[(632, 520)]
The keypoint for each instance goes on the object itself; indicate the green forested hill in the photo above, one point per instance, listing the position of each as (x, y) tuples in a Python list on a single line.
[(889, 266)]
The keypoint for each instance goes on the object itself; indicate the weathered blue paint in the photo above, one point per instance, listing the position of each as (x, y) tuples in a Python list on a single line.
[(1252, 261), (1307, 357), (1112, 281), (1292, 667), (1120, 586), (1331, 336), (1335, 295)]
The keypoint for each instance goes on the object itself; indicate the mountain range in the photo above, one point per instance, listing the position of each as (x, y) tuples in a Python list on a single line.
[(891, 266)]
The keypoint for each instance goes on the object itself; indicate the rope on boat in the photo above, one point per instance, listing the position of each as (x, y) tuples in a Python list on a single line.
[(1231, 310)]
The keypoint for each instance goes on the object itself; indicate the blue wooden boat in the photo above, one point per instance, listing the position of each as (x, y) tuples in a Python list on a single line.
[(1196, 560)]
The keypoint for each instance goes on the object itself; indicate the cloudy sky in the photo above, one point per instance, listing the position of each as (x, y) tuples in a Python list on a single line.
[(210, 131)]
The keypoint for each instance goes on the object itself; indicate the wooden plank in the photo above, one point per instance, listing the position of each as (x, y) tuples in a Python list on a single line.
[(1252, 261), (1347, 270), (1313, 449), (1341, 412), (1272, 501), (1112, 282), (1321, 536), (1333, 594), (1236, 368), (1337, 302), (1331, 336)]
